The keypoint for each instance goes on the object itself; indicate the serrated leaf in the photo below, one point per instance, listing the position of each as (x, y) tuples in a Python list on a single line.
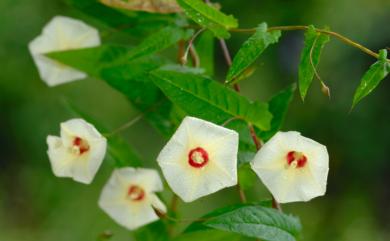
[(278, 106), (257, 222), (160, 6), (310, 57), (209, 17), (371, 79), (251, 50), (129, 77), (209, 100), (118, 148)]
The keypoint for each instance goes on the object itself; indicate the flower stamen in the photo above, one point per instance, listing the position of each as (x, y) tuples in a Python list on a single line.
[(296, 159), (135, 193), (80, 146), (198, 157)]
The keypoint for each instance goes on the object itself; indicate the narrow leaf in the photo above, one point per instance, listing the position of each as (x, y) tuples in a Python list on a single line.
[(207, 99), (257, 222), (278, 106), (251, 50), (310, 57), (371, 79), (209, 17), (205, 48)]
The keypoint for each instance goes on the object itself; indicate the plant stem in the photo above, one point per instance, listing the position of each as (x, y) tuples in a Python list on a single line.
[(323, 31), (125, 126), (228, 59)]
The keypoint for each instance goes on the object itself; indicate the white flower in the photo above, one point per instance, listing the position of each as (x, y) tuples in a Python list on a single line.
[(78, 153), (60, 34), (199, 159), (129, 197), (294, 168)]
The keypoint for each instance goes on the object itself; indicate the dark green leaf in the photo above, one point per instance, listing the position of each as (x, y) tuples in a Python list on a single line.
[(310, 57), (251, 50), (209, 17), (375, 74), (278, 106), (257, 222), (118, 149), (209, 100)]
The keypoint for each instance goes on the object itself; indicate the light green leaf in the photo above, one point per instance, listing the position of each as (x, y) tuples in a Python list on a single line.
[(278, 106), (207, 99), (310, 57), (257, 222), (118, 148), (251, 50), (371, 79), (209, 17)]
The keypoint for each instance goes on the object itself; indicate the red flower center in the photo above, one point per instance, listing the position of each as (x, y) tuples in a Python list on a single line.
[(135, 193), (80, 145), (296, 159), (198, 157)]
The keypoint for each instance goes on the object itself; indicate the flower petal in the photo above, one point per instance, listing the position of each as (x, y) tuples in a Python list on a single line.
[(61, 33)]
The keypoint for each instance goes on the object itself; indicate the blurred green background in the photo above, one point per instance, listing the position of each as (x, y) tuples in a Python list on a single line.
[(35, 205)]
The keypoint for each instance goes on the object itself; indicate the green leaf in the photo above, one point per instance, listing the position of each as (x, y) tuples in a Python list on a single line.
[(209, 17), (118, 148), (129, 77), (251, 50), (205, 48), (209, 100), (158, 41), (310, 57), (278, 106), (209, 235), (371, 79), (257, 222)]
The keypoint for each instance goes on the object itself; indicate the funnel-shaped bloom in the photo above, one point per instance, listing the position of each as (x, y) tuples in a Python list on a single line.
[(60, 34), (78, 153), (294, 168), (129, 197), (200, 159)]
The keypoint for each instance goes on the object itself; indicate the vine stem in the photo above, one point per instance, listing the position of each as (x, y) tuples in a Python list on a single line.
[(323, 31), (125, 126)]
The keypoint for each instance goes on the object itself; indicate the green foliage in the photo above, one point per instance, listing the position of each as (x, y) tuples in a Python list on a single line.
[(257, 222), (209, 100), (310, 57), (156, 231), (209, 17), (371, 79), (251, 50), (278, 106), (246, 177)]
